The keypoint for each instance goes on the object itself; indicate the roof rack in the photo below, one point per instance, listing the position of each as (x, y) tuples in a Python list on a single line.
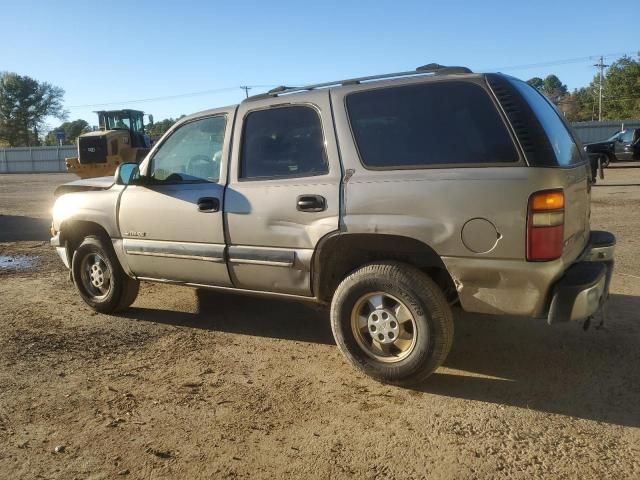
[(431, 68)]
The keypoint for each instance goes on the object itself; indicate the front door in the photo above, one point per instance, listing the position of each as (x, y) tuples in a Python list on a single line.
[(283, 193), (172, 224)]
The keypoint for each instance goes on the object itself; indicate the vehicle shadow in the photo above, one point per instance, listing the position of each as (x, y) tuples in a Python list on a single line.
[(15, 228), (557, 369), (519, 362), (240, 314)]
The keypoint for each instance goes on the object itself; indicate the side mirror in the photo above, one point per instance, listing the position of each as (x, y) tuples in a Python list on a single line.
[(150, 119), (127, 173)]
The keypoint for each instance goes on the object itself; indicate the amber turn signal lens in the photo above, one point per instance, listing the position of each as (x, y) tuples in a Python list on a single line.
[(547, 201)]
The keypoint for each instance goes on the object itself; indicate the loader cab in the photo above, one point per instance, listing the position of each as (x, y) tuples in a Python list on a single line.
[(131, 120), (120, 139)]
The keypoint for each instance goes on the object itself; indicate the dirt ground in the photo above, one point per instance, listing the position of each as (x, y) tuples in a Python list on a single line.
[(205, 385)]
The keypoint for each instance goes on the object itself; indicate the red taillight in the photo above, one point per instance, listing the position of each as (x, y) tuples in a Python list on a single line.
[(545, 226)]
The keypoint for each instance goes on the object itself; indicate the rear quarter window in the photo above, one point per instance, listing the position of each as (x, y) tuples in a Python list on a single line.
[(558, 134), (435, 124)]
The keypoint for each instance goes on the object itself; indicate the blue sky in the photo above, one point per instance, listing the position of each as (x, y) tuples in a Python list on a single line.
[(117, 51)]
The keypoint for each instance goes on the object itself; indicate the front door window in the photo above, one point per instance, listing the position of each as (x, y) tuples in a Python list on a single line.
[(192, 154)]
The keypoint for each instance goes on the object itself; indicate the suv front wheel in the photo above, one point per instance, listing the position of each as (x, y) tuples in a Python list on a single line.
[(99, 278), (392, 322)]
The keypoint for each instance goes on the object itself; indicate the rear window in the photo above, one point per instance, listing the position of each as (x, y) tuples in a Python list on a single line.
[(418, 126), (565, 148)]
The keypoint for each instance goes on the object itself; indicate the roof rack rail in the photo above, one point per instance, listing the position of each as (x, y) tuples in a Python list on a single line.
[(431, 68)]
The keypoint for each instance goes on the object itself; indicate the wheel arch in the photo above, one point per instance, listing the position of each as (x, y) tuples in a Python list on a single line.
[(338, 253), (73, 231)]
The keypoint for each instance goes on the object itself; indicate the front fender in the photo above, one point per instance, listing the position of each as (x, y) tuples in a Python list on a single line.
[(99, 207)]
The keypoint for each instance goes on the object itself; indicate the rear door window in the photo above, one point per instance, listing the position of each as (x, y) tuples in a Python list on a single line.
[(435, 124), (283, 142)]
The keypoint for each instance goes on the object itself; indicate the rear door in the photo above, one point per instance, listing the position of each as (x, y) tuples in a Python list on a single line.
[(283, 193), (172, 225)]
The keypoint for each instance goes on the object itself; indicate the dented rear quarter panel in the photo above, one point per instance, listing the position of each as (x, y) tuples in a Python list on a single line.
[(434, 204)]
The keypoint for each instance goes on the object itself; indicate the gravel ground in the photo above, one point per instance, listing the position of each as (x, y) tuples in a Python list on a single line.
[(191, 384)]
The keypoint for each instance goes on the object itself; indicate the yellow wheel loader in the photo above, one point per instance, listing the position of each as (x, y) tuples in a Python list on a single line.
[(121, 138)]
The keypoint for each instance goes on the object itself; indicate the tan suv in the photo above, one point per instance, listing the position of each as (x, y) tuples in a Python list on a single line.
[(391, 198)]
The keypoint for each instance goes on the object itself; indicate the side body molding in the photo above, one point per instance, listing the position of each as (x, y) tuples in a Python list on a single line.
[(186, 250)]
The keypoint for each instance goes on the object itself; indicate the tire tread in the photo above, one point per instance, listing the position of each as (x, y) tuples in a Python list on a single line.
[(125, 293), (420, 284)]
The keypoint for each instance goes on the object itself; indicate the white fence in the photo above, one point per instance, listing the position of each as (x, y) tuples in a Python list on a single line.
[(51, 159), (35, 159)]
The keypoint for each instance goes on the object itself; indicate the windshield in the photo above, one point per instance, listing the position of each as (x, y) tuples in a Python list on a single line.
[(613, 138), (625, 136), (122, 121)]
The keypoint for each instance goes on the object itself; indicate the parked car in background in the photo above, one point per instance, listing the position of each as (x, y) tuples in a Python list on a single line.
[(624, 146)]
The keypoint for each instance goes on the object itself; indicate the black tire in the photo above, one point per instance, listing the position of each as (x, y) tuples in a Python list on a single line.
[(121, 290), (427, 304)]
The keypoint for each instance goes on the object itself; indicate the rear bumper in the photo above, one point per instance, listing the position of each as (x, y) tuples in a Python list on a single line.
[(584, 287)]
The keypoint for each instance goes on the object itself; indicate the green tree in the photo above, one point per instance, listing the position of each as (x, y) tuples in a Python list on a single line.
[(580, 105), (554, 89), (536, 82), (620, 99), (24, 104), (72, 130), (159, 128), (621, 96), (550, 86)]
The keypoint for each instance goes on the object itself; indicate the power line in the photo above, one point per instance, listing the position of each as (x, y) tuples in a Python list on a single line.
[(560, 62), (246, 88), (167, 97)]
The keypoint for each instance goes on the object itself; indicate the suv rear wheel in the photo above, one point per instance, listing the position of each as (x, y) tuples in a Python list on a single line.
[(99, 278), (392, 322)]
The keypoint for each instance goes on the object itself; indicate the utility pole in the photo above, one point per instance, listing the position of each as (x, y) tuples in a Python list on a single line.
[(601, 66), (246, 90)]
